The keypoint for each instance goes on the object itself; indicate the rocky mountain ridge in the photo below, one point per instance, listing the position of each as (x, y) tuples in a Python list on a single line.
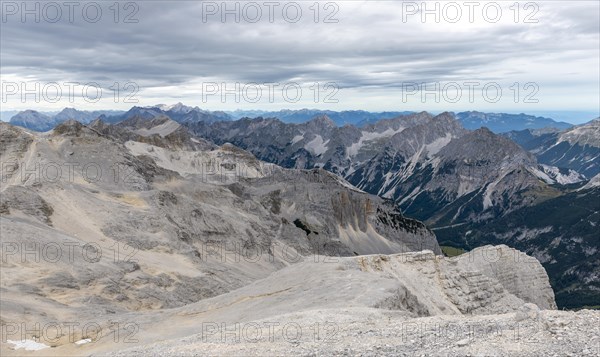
[(576, 149), (457, 181), (34, 120), (502, 122)]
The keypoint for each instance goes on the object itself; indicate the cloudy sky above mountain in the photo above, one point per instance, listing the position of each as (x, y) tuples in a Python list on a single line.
[(372, 55)]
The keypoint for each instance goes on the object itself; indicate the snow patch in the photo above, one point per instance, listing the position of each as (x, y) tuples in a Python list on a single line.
[(388, 178), (367, 136), (552, 174), (317, 146), (439, 143), (414, 192), (27, 345), (297, 138)]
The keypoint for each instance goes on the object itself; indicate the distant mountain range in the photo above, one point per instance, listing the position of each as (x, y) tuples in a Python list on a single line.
[(179, 112), (501, 122), (496, 122), (354, 117), (457, 181), (428, 164), (39, 121)]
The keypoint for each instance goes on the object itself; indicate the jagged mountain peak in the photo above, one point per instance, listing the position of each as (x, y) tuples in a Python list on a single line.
[(399, 122), (178, 107), (486, 134), (99, 122), (445, 115), (136, 108), (484, 131), (29, 114), (419, 115), (68, 110), (137, 121), (32, 119), (447, 118), (323, 119), (72, 113), (483, 144)]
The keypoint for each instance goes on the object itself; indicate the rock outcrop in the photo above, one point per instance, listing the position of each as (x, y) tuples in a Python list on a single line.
[(399, 289), (519, 273)]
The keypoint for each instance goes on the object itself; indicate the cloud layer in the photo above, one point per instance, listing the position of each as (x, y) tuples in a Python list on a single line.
[(372, 50)]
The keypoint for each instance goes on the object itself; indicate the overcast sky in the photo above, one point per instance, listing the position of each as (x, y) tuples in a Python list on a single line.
[(371, 55)]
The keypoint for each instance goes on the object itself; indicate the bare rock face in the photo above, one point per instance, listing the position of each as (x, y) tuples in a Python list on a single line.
[(428, 285), (171, 233), (399, 288), (520, 274), (337, 218), (361, 213)]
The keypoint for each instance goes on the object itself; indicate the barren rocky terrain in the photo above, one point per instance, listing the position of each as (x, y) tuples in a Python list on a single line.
[(131, 242)]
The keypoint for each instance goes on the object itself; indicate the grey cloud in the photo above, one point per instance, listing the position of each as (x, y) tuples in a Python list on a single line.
[(171, 46)]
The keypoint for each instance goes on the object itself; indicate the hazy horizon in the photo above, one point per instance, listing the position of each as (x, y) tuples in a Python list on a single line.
[(571, 117)]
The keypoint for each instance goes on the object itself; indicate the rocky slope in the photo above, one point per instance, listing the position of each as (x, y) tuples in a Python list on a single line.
[(476, 176), (159, 131), (488, 284), (318, 142), (432, 166), (153, 227), (576, 149)]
